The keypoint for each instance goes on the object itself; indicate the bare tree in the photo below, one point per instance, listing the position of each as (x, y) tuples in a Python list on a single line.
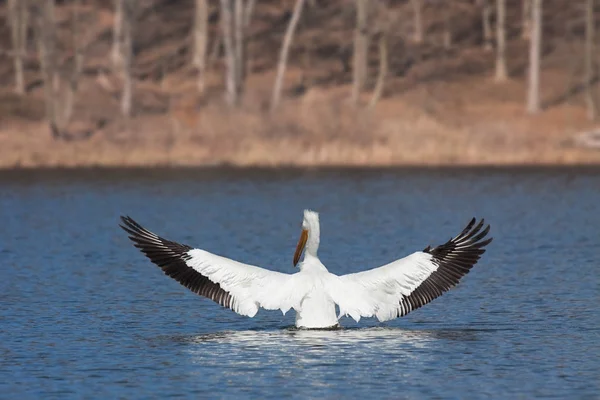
[(200, 41), (486, 13), (117, 39), (589, 60), (501, 70), (418, 18), (76, 70), (283, 55), (384, 19), (235, 18), (535, 46), (526, 19), (126, 46), (361, 46), (247, 17), (59, 103), (231, 92), (248, 12), (45, 35), (240, 44), (447, 15), (17, 19), (383, 69)]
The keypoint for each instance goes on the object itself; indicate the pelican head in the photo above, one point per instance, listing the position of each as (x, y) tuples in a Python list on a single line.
[(309, 237)]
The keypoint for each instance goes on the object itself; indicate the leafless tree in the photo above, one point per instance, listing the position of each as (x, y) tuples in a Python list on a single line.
[(248, 11), (200, 41), (361, 46), (17, 19), (59, 104), (384, 19), (501, 70), (418, 18), (447, 36), (383, 69), (45, 35), (589, 59), (235, 18), (117, 39), (231, 92), (128, 17), (240, 44), (526, 19), (283, 55), (77, 67), (486, 13), (535, 46)]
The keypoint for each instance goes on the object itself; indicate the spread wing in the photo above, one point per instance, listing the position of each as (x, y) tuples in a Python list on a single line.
[(404, 285), (240, 287)]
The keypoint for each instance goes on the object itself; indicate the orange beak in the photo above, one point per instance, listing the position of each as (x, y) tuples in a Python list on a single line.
[(300, 246)]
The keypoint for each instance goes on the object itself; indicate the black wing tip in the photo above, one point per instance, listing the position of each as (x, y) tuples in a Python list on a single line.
[(132, 228), (472, 235), (171, 258), (126, 221), (454, 260)]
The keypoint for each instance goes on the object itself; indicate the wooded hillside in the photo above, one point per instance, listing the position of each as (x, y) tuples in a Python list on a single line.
[(303, 82)]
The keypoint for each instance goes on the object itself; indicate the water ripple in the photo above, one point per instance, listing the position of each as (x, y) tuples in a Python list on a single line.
[(85, 315)]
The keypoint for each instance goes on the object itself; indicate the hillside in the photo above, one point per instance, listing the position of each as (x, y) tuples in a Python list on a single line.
[(440, 104)]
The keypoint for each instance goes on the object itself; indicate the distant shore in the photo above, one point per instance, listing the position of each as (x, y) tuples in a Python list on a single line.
[(311, 136), (439, 106)]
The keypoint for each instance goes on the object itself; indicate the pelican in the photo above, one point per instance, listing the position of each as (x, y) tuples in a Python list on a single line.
[(386, 292)]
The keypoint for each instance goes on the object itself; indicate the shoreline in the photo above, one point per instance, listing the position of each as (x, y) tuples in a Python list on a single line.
[(592, 167)]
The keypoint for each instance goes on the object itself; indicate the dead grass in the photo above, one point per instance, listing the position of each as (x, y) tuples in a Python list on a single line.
[(441, 124)]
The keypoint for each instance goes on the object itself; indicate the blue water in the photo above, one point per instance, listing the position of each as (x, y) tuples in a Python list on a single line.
[(83, 314)]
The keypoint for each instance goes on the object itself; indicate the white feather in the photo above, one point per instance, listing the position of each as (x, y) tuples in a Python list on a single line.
[(251, 287), (378, 292)]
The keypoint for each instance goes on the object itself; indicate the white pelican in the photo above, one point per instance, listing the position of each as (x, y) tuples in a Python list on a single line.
[(387, 292)]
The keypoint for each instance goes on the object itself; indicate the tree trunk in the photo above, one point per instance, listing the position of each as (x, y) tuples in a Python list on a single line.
[(239, 45), (589, 60), (526, 20), (249, 10), (501, 71), (283, 55), (486, 13), (418, 33), (43, 15), (17, 19), (447, 16), (230, 67), (361, 46), (77, 68), (116, 52), (383, 68), (127, 56), (200, 41), (533, 92)]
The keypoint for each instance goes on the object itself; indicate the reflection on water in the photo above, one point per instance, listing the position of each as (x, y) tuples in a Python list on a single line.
[(84, 315), (311, 355), (383, 337)]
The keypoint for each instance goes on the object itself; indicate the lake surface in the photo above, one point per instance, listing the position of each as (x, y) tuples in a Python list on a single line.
[(83, 314)]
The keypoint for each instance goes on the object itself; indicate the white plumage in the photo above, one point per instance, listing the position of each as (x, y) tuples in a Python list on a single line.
[(387, 292)]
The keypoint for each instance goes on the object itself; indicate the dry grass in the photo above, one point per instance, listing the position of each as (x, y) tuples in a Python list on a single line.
[(436, 125)]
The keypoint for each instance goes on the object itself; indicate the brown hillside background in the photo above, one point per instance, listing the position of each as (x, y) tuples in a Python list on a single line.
[(439, 106)]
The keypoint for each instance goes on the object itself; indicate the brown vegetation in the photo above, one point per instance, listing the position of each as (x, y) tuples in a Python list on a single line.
[(428, 95)]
